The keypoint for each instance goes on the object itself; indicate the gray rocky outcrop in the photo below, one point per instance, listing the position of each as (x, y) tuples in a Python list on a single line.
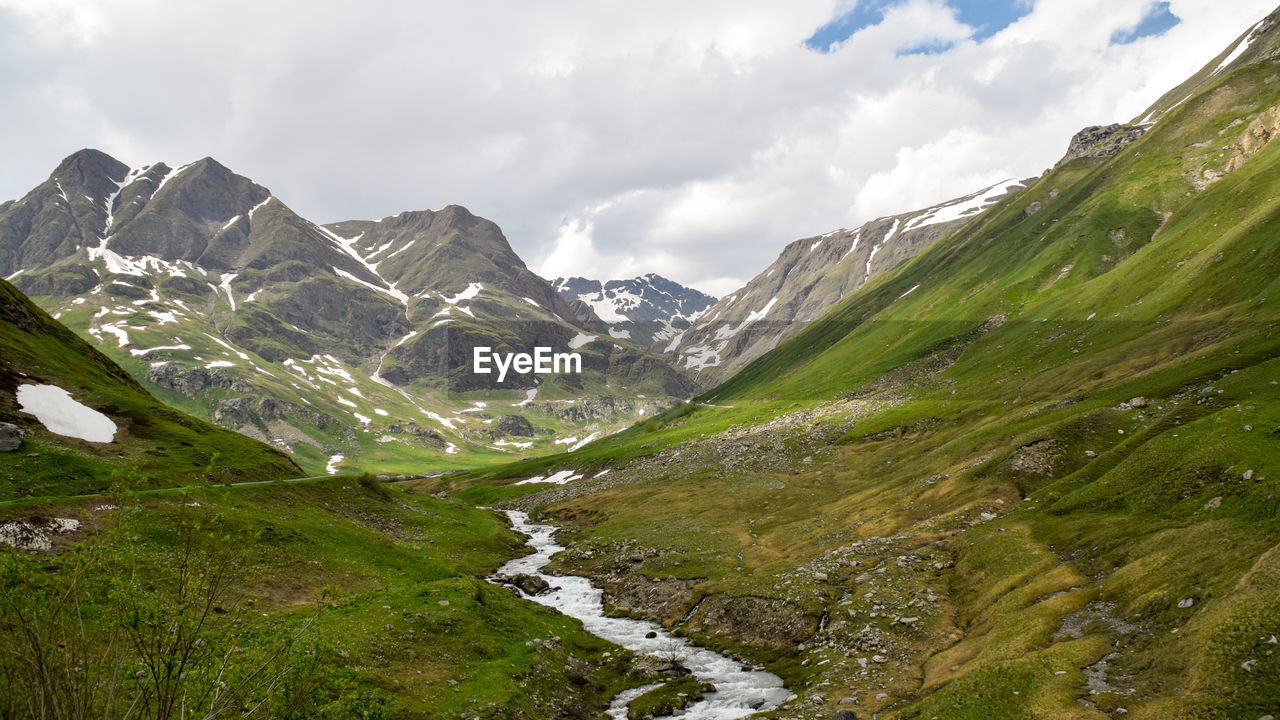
[(1101, 141), (10, 437), (516, 425)]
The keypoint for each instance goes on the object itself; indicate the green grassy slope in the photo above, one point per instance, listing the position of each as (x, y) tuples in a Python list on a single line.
[(382, 588), (155, 446), (939, 501)]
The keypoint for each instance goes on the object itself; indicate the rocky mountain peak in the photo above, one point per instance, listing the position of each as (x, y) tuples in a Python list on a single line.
[(93, 170)]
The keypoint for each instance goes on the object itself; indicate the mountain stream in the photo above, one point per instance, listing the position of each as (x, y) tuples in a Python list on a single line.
[(739, 690)]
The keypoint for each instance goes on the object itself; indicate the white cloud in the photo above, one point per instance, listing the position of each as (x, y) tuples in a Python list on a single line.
[(689, 139)]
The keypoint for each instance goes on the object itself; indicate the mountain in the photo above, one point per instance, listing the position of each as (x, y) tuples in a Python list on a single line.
[(353, 339), (809, 276), (649, 310), (109, 432), (1033, 472)]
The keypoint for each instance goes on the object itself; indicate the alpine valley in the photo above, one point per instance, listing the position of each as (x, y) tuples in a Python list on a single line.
[(1015, 455)]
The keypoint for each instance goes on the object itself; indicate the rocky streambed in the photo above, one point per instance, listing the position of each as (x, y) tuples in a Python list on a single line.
[(739, 691)]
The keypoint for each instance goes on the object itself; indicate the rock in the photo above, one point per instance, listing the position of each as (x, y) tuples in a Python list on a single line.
[(1186, 602), (651, 635), (530, 584), (879, 659), (1215, 502), (1036, 458), (516, 425), (10, 437), (1248, 475), (1090, 453), (1033, 208), (35, 534), (1100, 141), (844, 714), (1138, 402), (189, 381), (847, 701)]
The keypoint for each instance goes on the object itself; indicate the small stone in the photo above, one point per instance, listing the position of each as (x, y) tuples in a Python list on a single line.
[(879, 659), (443, 603), (1248, 475), (651, 635), (1090, 453), (1248, 665), (844, 714), (820, 577), (847, 701), (1138, 402), (1215, 502), (1248, 428), (1186, 602)]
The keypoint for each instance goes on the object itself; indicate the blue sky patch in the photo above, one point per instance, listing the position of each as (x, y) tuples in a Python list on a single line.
[(986, 17), (1158, 20), (933, 47)]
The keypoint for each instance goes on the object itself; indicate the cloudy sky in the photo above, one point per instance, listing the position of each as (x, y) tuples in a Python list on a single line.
[(608, 139)]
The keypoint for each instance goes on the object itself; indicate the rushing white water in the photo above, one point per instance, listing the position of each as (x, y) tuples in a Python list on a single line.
[(739, 691)]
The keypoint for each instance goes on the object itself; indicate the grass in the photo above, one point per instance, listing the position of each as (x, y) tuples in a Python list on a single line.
[(973, 443), (155, 445), (402, 619), (668, 698)]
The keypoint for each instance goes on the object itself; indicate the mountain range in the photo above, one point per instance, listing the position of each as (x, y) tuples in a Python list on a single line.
[(352, 339)]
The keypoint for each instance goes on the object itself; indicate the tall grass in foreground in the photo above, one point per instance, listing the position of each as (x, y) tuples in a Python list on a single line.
[(104, 630)]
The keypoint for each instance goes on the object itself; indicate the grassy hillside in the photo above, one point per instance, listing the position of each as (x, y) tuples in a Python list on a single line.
[(155, 446), (336, 598), (1031, 473)]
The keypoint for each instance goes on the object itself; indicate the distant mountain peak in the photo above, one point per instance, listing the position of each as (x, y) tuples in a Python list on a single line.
[(648, 310)]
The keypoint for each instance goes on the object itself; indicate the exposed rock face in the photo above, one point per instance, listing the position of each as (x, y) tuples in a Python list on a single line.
[(1101, 141), (513, 425), (10, 437), (1259, 133), (189, 381), (239, 412), (599, 407), (1036, 458), (665, 600), (766, 622)]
